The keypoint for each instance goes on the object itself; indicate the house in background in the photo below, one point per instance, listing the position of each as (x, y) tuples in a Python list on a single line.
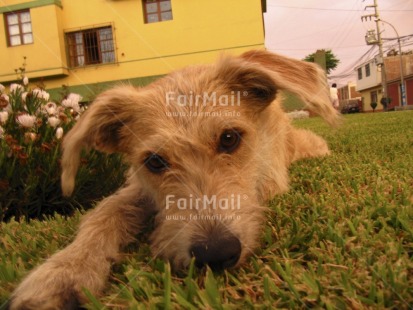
[(349, 96), (89, 45), (369, 81), (393, 78), (348, 92)]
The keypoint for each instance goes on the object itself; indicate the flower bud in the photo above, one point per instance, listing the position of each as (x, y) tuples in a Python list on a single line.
[(59, 133), (4, 116)]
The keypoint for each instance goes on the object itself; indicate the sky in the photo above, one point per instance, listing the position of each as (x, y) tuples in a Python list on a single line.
[(297, 28)]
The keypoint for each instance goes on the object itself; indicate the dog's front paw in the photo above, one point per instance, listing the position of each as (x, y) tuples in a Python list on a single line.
[(45, 289), (57, 285)]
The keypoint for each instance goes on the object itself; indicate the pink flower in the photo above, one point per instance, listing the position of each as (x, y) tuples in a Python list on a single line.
[(53, 121), (40, 93), (72, 102), (51, 108), (74, 97), (26, 120), (25, 81), (15, 87), (24, 95), (5, 97)]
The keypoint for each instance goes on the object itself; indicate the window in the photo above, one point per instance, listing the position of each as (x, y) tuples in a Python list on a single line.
[(157, 10), (89, 47), (18, 28), (367, 69), (359, 73)]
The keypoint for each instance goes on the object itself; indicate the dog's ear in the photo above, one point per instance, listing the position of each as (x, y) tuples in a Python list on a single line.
[(307, 80), (254, 83), (105, 126)]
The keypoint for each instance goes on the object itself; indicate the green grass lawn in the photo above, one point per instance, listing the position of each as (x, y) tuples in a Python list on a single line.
[(341, 238)]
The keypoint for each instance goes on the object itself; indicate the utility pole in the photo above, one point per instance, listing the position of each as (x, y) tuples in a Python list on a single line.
[(379, 42), (402, 88)]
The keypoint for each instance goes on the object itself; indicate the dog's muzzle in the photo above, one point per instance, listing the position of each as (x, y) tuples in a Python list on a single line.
[(218, 253)]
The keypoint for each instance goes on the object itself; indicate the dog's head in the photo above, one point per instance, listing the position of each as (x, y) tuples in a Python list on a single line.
[(209, 144)]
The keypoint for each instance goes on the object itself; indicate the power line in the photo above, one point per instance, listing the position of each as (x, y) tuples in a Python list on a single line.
[(365, 57), (324, 9), (349, 70), (314, 48), (342, 35), (401, 37)]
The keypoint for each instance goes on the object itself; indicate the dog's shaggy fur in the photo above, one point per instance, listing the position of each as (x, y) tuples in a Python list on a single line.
[(208, 146)]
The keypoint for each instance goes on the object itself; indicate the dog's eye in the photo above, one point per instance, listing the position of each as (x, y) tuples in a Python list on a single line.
[(156, 163), (229, 141)]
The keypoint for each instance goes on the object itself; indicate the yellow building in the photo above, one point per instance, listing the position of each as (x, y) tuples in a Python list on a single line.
[(87, 45)]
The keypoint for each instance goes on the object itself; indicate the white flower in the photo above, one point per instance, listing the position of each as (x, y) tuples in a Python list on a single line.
[(2, 88), (60, 109), (8, 108), (40, 93), (26, 120), (46, 95), (74, 97), (15, 87), (53, 121), (298, 114), (25, 81), (51, 108), (4, 116), (67, 103), (5, 97), (37, 92), (72, 102), (24, 95), (59, 133)]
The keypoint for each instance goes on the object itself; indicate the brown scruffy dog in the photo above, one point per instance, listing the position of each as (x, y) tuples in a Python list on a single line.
[(208, 146)]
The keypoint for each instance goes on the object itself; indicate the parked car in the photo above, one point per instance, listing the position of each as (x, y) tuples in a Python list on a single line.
[(351, 106)]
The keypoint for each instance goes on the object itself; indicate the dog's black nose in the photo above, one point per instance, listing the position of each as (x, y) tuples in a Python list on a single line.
[(218, 254)]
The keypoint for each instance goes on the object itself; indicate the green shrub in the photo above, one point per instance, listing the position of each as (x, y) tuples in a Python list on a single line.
[(31, 131)]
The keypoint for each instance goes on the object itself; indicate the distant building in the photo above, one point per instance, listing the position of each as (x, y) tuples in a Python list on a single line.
[(89, 45), (369, 81), (349, 96), (348, 91)]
